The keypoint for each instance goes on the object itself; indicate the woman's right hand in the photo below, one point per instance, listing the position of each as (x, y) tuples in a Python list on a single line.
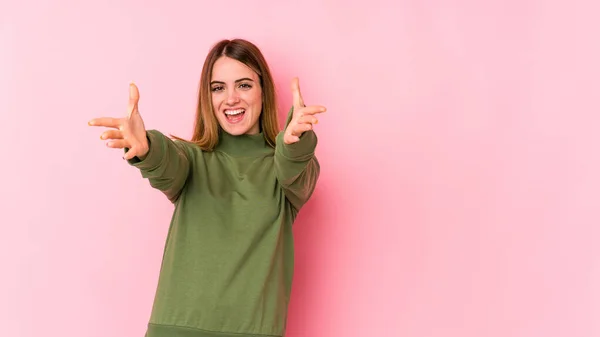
[(128, 132)]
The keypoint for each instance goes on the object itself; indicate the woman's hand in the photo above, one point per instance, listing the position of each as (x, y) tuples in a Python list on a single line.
[(303, 116), (129, 132)]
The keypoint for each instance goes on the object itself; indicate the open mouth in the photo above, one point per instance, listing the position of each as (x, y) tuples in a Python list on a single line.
[(234, 116)]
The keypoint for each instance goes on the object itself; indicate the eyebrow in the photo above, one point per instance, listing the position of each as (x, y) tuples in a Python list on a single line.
[(236, 81)]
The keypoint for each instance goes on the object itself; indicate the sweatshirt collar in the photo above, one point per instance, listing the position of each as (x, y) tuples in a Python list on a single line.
[(242, 145)]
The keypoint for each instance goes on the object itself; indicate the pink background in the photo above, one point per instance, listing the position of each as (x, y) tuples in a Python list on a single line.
[(460, 182)]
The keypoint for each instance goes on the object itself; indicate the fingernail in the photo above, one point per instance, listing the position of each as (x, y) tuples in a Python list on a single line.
[(316, 121)]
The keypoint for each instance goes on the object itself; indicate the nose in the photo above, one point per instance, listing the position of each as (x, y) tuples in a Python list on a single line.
[(232, 97)]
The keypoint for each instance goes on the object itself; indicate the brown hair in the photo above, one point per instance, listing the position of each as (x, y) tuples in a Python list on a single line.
[(206, 129)]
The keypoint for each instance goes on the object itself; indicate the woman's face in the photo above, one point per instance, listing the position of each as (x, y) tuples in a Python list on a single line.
[(236, 96)]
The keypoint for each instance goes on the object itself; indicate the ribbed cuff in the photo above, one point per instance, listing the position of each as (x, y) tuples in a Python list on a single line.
[(153, 156), (301, 149)]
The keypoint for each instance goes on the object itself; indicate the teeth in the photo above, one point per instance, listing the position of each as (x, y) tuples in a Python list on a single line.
[(234, 112)]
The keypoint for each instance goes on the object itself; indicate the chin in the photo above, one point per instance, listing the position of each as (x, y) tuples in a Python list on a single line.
[(236, 130)]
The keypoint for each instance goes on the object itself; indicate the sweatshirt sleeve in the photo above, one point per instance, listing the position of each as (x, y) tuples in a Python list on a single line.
[(166, 165), (296, 166)]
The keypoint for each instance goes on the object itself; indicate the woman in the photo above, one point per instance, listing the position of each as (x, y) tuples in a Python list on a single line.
[(237, 187)]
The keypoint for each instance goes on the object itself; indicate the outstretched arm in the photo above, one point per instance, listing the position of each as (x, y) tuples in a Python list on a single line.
[(296, 165), (166, 165), (164, 162)]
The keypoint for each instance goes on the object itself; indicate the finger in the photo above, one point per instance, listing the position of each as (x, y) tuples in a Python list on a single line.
[(106, 121), (289, 139), (313, 109), (297, 96), (134, 98), (118, 144), (299, 129), (308, 119), (112, 134), (130, 154)]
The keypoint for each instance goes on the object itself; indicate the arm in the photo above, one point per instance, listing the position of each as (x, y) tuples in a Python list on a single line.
[(164, 162), (296, 166), (166, 165)]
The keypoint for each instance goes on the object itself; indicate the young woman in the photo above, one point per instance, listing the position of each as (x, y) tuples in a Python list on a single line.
[(237, 187)]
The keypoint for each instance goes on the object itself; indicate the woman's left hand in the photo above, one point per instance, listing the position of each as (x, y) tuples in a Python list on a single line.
[(303, 117)]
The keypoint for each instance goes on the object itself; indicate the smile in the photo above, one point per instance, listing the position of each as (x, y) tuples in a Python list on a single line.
[(235, 115)]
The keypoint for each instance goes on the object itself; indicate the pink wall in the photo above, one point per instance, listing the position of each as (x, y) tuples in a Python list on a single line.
[(460, 157)]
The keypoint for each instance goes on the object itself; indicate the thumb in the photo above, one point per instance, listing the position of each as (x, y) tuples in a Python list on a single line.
[(134, 98)]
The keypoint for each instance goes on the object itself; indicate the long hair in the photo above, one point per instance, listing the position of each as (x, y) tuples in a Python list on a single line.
[(206, 128)]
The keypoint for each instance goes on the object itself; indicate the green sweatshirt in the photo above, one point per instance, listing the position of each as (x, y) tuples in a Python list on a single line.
[(228, 259)]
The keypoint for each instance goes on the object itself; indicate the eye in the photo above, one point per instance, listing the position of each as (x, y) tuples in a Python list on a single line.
[(216, 88), (245, 86)]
